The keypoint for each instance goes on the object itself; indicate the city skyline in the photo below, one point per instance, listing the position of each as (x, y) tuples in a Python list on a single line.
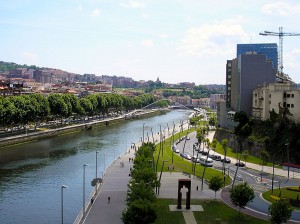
[(177, 41)]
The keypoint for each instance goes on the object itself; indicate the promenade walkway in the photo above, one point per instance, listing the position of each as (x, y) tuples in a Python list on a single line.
[(114, 186)]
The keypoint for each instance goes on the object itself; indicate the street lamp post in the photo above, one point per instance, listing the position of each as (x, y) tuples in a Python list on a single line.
[(96, 170), (143, 132), (288, 157), (62, 202), (97, 164), (83, 201)]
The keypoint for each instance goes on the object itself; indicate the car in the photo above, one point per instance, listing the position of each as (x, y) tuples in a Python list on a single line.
[(226, 160), (187, 138), (189, 157), (186, 156), (205, 153), (217, 157), (240, 164), (175, 149), (195, 159)]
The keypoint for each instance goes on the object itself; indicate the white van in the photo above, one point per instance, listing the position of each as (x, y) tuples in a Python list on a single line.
[(206, 161)]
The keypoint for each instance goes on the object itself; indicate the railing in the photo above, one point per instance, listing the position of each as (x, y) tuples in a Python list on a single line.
[(79, 219)]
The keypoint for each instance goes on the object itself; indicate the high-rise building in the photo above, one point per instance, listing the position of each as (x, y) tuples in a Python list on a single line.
[(243, 75), (268, 49)]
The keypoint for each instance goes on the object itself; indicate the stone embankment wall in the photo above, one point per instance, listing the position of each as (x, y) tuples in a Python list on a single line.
[(253, 147)]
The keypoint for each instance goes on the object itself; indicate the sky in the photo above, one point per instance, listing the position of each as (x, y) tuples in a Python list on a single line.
[(173, 40)]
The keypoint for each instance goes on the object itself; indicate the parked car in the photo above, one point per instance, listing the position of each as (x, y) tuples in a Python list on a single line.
[(217, 157), (187, 138), (195, 159), (189, 157), (205, 153), (186, 156), (226, 160), (175, 149), (240, 164)]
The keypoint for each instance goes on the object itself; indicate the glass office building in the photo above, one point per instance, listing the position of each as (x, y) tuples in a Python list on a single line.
[(270, 50)]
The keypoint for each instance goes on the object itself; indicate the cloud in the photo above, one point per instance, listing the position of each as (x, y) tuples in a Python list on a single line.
[(163, 35), (214, 39), (79, 8), (281, 9), (147, 43), (30, 58), (133, 4), (95, 13)]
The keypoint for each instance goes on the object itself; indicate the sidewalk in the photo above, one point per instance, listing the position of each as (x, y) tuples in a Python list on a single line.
[(114, 186)]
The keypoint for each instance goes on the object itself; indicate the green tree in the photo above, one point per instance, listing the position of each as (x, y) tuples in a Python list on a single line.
[(139, 211), (57, 105), (86, 105), (245, 154), (215, 184), (138, 190), (225, 148), (280, 211), (241, 195)]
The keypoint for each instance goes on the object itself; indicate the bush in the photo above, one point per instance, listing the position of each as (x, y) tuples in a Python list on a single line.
[(297, 189)]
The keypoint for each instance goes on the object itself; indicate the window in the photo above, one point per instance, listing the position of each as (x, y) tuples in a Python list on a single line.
[(269, 102), (288, 95), (255, 94), (229, 82), (284, 104), (292, 105), (284, 95), (270, 95), (288, 105), (292, 95), (229, 76)]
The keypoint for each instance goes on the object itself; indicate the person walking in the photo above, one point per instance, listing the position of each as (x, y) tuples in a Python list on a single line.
[(108, 200)]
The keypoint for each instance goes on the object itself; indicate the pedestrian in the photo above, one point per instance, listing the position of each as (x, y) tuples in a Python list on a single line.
[(129, 159), (108, 200), (92, 200)]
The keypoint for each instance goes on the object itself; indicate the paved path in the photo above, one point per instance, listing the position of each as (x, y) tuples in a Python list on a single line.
[(114, 186)]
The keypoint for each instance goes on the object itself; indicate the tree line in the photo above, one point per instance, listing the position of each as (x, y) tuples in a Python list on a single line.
[(35, 108)]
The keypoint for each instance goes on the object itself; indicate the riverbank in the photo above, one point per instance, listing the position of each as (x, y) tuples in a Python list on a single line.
[(42, 134)]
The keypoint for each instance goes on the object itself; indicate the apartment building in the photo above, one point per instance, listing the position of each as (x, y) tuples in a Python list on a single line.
[(274, 97)]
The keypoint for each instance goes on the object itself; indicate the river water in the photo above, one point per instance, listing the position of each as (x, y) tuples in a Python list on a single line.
[(31, 174)]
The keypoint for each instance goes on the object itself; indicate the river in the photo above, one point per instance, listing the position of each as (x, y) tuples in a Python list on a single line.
[(31, 174)]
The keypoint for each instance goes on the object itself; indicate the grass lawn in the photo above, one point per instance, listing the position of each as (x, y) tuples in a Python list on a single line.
[(284, 193), (214, 212), (180, 164), (231, 153)]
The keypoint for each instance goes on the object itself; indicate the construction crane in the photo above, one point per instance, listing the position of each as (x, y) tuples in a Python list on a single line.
[(280, 34)]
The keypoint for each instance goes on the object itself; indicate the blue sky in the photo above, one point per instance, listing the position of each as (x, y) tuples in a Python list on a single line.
[(175, 40)]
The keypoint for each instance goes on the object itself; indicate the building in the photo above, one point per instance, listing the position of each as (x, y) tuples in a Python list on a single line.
[(274, 97), (268, 49), (214, 98), (202, 102), (183, 100), (243, 75)]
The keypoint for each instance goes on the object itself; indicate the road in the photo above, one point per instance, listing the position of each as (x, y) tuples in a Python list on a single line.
[(251, 173)]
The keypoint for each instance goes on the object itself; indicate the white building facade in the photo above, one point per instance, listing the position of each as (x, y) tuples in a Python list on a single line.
[(274, 96)]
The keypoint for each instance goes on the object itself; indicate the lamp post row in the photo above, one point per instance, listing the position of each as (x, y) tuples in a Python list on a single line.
[(83, 201)]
